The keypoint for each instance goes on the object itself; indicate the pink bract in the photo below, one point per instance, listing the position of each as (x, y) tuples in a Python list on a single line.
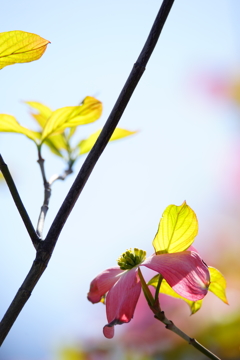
[(185, 272)]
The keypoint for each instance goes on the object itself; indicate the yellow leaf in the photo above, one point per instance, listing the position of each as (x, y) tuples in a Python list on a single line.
[(44, 112), (167, 290), (177, 229), (54, 149), (71, 132), (8, 123), (71, 116), (20, 47), (87, 144), (217, 284), (57, 142)]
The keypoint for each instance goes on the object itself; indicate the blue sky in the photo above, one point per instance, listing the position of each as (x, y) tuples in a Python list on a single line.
[(176, 156)]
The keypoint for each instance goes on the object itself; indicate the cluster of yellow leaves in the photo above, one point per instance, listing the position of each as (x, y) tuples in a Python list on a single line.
[(176, 232), (54, 122), (20, 47), (57, 127)]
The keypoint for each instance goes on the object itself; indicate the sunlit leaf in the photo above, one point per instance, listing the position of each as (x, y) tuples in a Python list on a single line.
[(70, 116), (54, 149), (71, 132), (87, 144), (177, 229), (43, 112), (1, 177), (8, 123), (194, 305), (218, 284), (20, 47), (167, 290), (57, 142)]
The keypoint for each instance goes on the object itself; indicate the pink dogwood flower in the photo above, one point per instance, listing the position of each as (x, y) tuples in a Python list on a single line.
[(183, 270)]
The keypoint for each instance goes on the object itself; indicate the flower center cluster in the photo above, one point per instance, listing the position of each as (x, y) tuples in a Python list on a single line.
[(130, 258)]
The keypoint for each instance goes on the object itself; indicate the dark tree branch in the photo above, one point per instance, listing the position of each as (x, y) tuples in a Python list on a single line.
[(110, 125), (18, 202), (46, 247)]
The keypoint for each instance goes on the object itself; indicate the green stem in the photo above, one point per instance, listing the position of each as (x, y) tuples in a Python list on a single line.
[(146, 291), (160, 279), (18, 202)]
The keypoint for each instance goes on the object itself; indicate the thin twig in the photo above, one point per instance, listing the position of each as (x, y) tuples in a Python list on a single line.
[(41, 164), (18, 202), (46, 247), (41, 219), (47, 195), (60, 177), (160, 315), (48, 190), (154, 305)]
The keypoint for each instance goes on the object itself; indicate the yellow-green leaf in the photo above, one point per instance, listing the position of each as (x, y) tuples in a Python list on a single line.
[(177, 229), (71, 116), (43, 114), (167, 290), (71, 132), (57, 142), (217, 284), (8, 123), (20, 47), (87, 144), (54, 149), (194, 305)]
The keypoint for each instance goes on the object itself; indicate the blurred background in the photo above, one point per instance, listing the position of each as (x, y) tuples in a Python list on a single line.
[(186, 108)]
